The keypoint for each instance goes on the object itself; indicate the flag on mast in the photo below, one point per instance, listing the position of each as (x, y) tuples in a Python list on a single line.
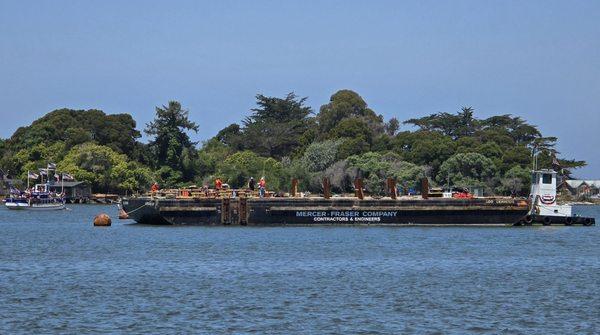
[(51, 166), (66, 176), (32, 175)]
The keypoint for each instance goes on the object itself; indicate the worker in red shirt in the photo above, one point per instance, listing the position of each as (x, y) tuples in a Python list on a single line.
[(218, 184)]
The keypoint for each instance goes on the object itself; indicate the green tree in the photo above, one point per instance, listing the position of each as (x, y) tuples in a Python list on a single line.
[(171, 144), (515, 181), (231, 136), (424, 148), (131, 176), (376, 167), (239, 167), (454, 125), (467, 169), (276, 125), (34, 158), (392, 126), (73, 127), (169, 178), (105, 169), (321, 155), (356, 135), (346, 104)]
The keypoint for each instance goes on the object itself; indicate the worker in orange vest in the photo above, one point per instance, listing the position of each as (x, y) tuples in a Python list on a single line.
[(154, 188)]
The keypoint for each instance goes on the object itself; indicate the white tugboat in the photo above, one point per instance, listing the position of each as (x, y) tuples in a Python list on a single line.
[(544, 207)]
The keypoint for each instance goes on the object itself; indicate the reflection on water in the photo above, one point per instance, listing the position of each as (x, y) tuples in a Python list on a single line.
[(58, 274)]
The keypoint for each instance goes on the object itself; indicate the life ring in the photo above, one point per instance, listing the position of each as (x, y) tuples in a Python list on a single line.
[(547, 220)]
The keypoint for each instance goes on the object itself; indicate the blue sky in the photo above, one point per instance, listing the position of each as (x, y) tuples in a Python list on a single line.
[(536, 59)]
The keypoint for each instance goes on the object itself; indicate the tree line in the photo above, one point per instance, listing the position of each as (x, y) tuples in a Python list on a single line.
[(283, 138)]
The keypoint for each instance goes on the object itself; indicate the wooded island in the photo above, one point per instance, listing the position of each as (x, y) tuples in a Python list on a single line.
[(283, 138)]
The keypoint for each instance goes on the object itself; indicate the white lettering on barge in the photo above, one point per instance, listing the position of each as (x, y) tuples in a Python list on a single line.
[(347, 216)]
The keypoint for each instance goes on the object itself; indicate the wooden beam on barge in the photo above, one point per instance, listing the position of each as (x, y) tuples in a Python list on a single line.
[(326, 188), (294, 190), (391, 188), (358, 188)]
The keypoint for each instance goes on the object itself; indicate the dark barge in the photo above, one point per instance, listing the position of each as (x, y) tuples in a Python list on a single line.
[(322, 211), (193, 206)]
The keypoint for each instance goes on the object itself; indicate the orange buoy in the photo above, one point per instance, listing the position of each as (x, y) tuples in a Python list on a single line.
[(123, 215), (102, 220)]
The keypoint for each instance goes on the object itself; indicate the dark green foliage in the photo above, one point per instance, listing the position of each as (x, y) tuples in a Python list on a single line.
[(516, 181), (171, 146), (116, 131), (237, 169), (105, 169), (281, 140), (424, 148), (467, 170), (50, 138), (168, 177), (276, 126), (346, 104), (376, 167), (231, 136), (392, 126), (321, 155), (453, 125)]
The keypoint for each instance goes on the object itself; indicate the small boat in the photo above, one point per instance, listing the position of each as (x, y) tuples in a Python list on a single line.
[(38, 199)]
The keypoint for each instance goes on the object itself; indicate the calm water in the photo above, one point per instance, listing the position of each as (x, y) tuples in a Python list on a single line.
[(58, 274)]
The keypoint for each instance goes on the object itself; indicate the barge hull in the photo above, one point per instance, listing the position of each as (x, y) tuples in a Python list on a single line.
[(319, 211)]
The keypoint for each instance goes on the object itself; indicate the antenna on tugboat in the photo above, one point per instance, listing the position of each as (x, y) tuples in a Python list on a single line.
[(534, 157)]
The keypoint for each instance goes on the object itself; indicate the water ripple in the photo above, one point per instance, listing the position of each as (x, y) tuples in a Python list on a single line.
[(58, 274)]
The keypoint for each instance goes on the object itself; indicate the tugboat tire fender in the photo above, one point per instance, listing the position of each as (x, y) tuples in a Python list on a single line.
[(568, 220), (547, 220), (587, 221), (528, 219)]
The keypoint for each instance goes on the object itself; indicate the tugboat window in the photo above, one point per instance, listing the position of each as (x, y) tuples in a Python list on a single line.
[(547, 178)]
